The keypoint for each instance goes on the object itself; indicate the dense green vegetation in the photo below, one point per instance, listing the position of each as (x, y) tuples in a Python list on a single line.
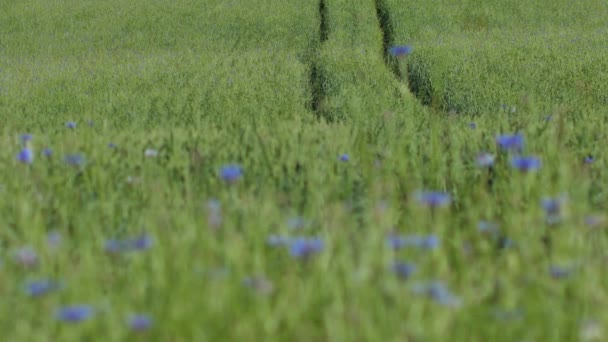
[(181, 151)]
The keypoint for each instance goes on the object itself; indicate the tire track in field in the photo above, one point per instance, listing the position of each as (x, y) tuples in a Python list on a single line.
[(316, 79)]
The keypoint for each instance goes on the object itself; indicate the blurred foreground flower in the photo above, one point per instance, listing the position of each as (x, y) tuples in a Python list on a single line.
[(403, 269), (303, 248), (75, 313), (425, 242), (40, 287), (400, 50), (437, 291), (526, 164), (433, 199), (75, 159), (344, 157), (510, 143), (26, 257), (485, 160), (26, 155), (231, 173), (139, 322)]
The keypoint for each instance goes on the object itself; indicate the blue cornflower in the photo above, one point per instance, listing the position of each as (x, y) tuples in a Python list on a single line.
[(112, 145), (26, 137), (424, 242), (139, 322), (553, 208), (437, 291), (53, 239), (140, 243), (231, 173), (26, 156), (40, 288), (403, 269), (485, 160), (75, 159), (489, 228), (70, 124), (526, 164), (589, 159), (434, 199), (26, 257), (344, 157), (278, 240), (472, 125), (401, 50), (75, 313), (47, 152), (559, 272), (511, 143), (305, 247)]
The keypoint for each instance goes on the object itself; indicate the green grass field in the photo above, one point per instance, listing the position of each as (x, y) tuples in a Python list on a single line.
[(182, 170)]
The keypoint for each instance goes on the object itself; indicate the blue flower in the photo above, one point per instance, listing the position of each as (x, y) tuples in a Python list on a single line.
[(278, 240), (511, 143), (74, 313), (401, 50), (26, 156), (47, 152), (472, 125), (589, 159), (75, 159), (139, 322), (70, 124), (305, 247), (26, 137), (26, 257), (231, 173), (553, 208), (526, 164), (112, 145), (344, 157), (558, 272), (485, 160), (437, 291), (434, 199), (403, 269), (143, 242), (40, 288), (425, 242)]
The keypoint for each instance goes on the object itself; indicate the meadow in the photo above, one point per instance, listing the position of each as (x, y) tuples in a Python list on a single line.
[(328, 170)]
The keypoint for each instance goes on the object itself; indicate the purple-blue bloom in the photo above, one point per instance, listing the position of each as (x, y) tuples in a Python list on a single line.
[(512, 143), (139, 243), (278, 240), (437, 291), (434, 199), (26, 257), (40, 288), (140, 322), (26, 137), (75, 313), (47, 152), (425, 242), (472, 125), (589, 159), (70, 124), (301, 247), (231, 173), (401, 50), (75, 159), (26, 155), (485, 160), (526, 164), (344, 157), (403, 269), (559, 272)]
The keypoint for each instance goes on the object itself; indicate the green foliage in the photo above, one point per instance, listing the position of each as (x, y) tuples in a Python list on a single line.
[(284, 89)]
